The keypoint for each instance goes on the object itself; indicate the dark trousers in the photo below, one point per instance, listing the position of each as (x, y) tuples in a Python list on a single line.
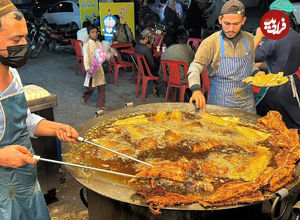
[(101, 94)]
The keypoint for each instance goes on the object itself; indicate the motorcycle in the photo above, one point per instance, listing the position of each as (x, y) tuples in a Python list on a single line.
[(37, 39), (59, 39)]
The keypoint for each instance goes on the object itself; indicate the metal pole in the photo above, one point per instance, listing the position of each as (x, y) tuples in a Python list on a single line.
[(82, 166), (81, 139)]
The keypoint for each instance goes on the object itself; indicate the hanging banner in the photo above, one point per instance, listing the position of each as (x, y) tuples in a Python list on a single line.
[(124, 9), (89, 11)]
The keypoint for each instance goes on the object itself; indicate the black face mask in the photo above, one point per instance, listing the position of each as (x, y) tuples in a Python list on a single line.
[(17, 56)]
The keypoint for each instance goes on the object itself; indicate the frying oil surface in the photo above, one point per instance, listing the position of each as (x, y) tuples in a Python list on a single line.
[(227, 146)]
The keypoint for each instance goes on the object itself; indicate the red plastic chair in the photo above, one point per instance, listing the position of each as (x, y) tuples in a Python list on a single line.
[(117, 64), (140, 58), (194, 41), (158, 39), (174, 78), (205, 84), (298, 72), (77, 45)]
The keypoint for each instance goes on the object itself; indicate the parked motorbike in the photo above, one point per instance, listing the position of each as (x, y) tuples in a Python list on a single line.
[(37, 39), (59, 39)]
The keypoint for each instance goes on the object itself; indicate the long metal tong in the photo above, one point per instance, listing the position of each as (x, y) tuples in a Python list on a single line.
[(82, 166), (81, 139)]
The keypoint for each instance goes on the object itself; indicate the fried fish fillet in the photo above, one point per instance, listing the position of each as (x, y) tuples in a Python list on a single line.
[(232, 190), (161, 198), (178, 171)]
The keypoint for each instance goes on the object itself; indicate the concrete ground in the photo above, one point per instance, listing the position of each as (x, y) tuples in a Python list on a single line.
[(55, 73)]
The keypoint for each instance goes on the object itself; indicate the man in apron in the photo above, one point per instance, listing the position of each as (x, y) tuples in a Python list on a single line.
[(281, 55), (229, 57), (20, 193)]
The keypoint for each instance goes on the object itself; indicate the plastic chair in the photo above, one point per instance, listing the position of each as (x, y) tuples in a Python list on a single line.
[(77, 45), (140, 58), (194, 41), (205, 84), (174, 79), (117, 64), (158, 39)]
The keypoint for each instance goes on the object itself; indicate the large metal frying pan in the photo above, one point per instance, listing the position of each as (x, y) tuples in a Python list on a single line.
[(107, 187)]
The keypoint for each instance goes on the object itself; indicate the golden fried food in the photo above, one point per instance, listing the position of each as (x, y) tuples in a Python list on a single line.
[(178, 171), (147, 144), (288, 138), (267, 80), (252, 134), (205, 146), (172, 138), (215, 160), (255, 196), (136, 120), (272, 122), (160, 116), (162, 198), (175, 115), (232, 190), (281, 177)]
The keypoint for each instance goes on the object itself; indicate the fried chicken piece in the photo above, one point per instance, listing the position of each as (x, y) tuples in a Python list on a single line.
[(232, 190), (162, 198), (250, 198), (281, 177), (147, 144), (160, 116), (177, 171), (205, 145), (172, 138), (272, 122)]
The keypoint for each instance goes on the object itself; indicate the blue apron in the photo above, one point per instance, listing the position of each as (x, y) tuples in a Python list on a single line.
[(21, 197), (227, 88)]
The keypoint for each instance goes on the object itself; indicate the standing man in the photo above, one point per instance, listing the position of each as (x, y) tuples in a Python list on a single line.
[(20, 193), (282, 55), (229, 55)]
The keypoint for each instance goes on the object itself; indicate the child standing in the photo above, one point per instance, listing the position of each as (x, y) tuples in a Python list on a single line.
[(96, 79)]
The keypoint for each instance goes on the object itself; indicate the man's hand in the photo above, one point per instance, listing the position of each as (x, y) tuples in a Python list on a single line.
[(260, 73), (15, 156), (67, 133), (199, 98)]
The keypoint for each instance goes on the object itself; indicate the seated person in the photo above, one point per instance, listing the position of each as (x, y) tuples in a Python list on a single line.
[(178, 51), (123, 33), (144, 46)]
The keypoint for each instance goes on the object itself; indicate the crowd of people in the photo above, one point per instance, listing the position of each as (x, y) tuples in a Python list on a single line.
[(230, 55)]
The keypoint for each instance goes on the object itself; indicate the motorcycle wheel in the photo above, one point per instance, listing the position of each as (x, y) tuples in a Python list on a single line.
[(35, 49)]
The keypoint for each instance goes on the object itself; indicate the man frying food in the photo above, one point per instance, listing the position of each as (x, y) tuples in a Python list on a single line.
[(229, 56)]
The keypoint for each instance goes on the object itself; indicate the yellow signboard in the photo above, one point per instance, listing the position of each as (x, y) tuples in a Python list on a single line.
[(125, 10), (89, 10)]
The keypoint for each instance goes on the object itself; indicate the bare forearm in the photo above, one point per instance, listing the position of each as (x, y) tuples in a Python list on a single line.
[(47, 128)]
